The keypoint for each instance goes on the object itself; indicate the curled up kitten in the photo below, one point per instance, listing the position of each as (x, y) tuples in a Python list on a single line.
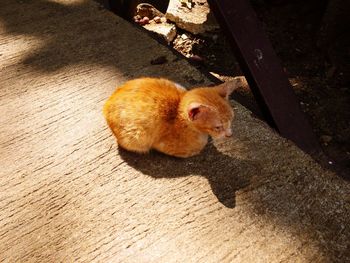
[(156, 113)]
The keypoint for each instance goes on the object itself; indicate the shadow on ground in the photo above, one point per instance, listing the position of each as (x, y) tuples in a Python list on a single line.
[(219, 169), (93, 41)]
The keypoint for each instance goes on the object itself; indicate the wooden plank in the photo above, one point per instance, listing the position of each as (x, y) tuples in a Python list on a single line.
[(264, 72)]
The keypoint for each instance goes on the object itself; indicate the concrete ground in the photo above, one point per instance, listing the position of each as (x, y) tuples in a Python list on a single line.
[(67, 194)]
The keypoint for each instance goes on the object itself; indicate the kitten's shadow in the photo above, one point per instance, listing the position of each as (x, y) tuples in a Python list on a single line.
[(221, 170)]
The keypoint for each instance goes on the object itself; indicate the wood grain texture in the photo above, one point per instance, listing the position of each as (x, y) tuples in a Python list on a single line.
[(67, 194)]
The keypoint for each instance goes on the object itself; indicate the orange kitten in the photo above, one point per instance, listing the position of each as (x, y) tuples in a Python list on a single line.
[(153, 113)]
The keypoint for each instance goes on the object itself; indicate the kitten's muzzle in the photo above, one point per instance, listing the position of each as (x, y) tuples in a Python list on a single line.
[(228, 133)]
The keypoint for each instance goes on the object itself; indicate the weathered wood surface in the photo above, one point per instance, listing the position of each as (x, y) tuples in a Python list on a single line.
[(67, 194)]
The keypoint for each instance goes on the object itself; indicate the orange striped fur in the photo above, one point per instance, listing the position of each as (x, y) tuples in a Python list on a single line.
[(155, 113)]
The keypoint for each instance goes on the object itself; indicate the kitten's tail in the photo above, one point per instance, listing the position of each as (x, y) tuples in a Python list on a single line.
[(225, 89), (240, 82)]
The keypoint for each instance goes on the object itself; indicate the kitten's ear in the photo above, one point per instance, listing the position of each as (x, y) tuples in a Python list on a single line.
[(196, 110), (225, 89)]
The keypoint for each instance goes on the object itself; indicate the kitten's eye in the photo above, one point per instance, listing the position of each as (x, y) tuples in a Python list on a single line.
[(218, 128)]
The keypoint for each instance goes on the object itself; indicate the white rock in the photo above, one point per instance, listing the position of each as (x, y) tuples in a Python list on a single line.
[(197, 19), (168, 31), (184, 36)]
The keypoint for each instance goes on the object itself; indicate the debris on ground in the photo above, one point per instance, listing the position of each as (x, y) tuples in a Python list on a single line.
[(184, 44), (153, 20)]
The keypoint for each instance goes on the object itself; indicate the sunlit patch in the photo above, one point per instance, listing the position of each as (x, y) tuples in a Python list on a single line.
[(68, 2), (18, 49)]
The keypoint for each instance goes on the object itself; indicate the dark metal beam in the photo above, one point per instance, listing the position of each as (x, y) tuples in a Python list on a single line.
[(264, 72)]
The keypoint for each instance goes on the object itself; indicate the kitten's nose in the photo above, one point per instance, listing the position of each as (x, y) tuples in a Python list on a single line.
[(228, 133)]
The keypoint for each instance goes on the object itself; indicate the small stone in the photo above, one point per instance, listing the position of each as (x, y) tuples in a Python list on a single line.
[(137, 18), (166, 30), (157, 19), (184, 36), (145, 9), (145, 20)]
